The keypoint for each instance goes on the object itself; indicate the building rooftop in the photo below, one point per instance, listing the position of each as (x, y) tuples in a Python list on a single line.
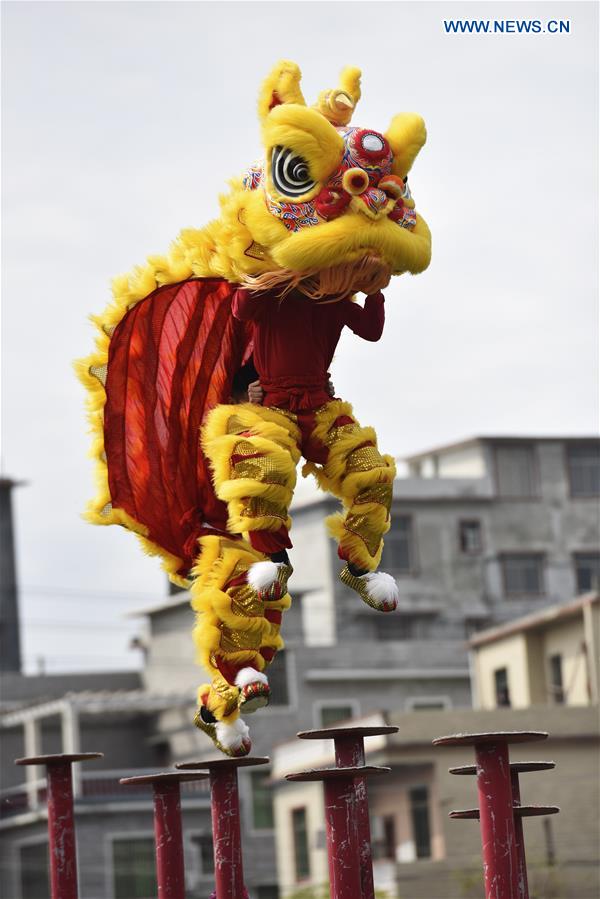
[(19, 688), (96, 702), (502, 438), (535, 621)]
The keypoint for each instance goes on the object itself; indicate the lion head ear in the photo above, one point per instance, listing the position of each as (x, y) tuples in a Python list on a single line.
[(406, 136), (282, 85), (338, 105)]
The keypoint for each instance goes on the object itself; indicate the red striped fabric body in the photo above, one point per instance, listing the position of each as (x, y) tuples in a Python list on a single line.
[(172, 358)]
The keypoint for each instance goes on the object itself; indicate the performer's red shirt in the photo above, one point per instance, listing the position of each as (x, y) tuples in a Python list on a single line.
[(295, 339)]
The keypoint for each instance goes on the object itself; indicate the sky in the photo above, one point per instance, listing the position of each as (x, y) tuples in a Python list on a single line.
[(121, 123)]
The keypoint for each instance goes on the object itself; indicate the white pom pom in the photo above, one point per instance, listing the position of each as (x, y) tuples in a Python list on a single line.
[(262, 575), (381, 586), (250, 676), (232, 735)]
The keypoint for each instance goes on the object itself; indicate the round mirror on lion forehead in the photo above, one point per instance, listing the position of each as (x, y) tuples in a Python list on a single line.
[(368, 149)]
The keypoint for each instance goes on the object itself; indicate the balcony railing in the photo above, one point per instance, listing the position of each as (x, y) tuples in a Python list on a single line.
[(96, 786)]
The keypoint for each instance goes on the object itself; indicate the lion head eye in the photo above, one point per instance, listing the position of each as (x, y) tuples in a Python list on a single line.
[(290, 173)]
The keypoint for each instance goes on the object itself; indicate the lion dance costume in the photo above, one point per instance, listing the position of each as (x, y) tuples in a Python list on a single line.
[(264, 292)]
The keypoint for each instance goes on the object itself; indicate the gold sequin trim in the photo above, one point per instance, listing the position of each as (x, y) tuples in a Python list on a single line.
[(238, 641), (235, 425), (255, 251), (378, 493), (263, 469), (245, 602), (230, 694), (341, 431), (100, 372), (362, 526), (244, 448), (257, 507), (366, 458)]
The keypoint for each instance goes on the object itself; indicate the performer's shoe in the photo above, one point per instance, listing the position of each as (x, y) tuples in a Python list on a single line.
[(269, 579), (378, 589), (254, 690), (231, 739)]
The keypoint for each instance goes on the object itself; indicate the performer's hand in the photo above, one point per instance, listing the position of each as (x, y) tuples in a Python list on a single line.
[(255, 393), (330, 388)]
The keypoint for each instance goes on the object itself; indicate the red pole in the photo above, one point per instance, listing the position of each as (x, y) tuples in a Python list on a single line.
[(61, 821), (227, 840), (341, 824), (342, 838), (516, 768), (523, 885), (168, 837), (61, 832), (169, 841), (225, 812), (495, 813), (350, 753), (496, 819)]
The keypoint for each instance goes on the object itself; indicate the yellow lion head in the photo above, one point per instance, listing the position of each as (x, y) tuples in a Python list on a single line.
[(327, 209), (326, 194)]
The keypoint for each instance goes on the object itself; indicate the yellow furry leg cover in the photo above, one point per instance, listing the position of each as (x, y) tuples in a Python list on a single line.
[(361, 477), (231, 627), (253, 452)]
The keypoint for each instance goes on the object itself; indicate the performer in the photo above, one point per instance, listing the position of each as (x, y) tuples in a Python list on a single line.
[(294, 342), (260, 294)]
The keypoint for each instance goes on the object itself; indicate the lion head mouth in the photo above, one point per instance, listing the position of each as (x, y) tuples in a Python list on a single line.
[(366, 275)]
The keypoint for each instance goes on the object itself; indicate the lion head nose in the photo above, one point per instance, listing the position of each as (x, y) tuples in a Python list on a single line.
[(355, 181), (375, 199)]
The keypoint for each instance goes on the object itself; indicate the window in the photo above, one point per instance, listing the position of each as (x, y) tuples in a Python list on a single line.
[(384, 838), (501, 687), (587, 571), (262, 800), (523, 573), (405, 626), (470, 537), (419, 813), (134, 869), (270, 892), (204, 846), (427, 703), (398, 547), (332, 714), (515, 472), (556, 679), (277, 674), (584, 469), (35, 883), (299, 829)]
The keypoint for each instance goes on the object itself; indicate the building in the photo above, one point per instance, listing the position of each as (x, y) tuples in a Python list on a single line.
[(483, 532), (550, 656), (536, 673)]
